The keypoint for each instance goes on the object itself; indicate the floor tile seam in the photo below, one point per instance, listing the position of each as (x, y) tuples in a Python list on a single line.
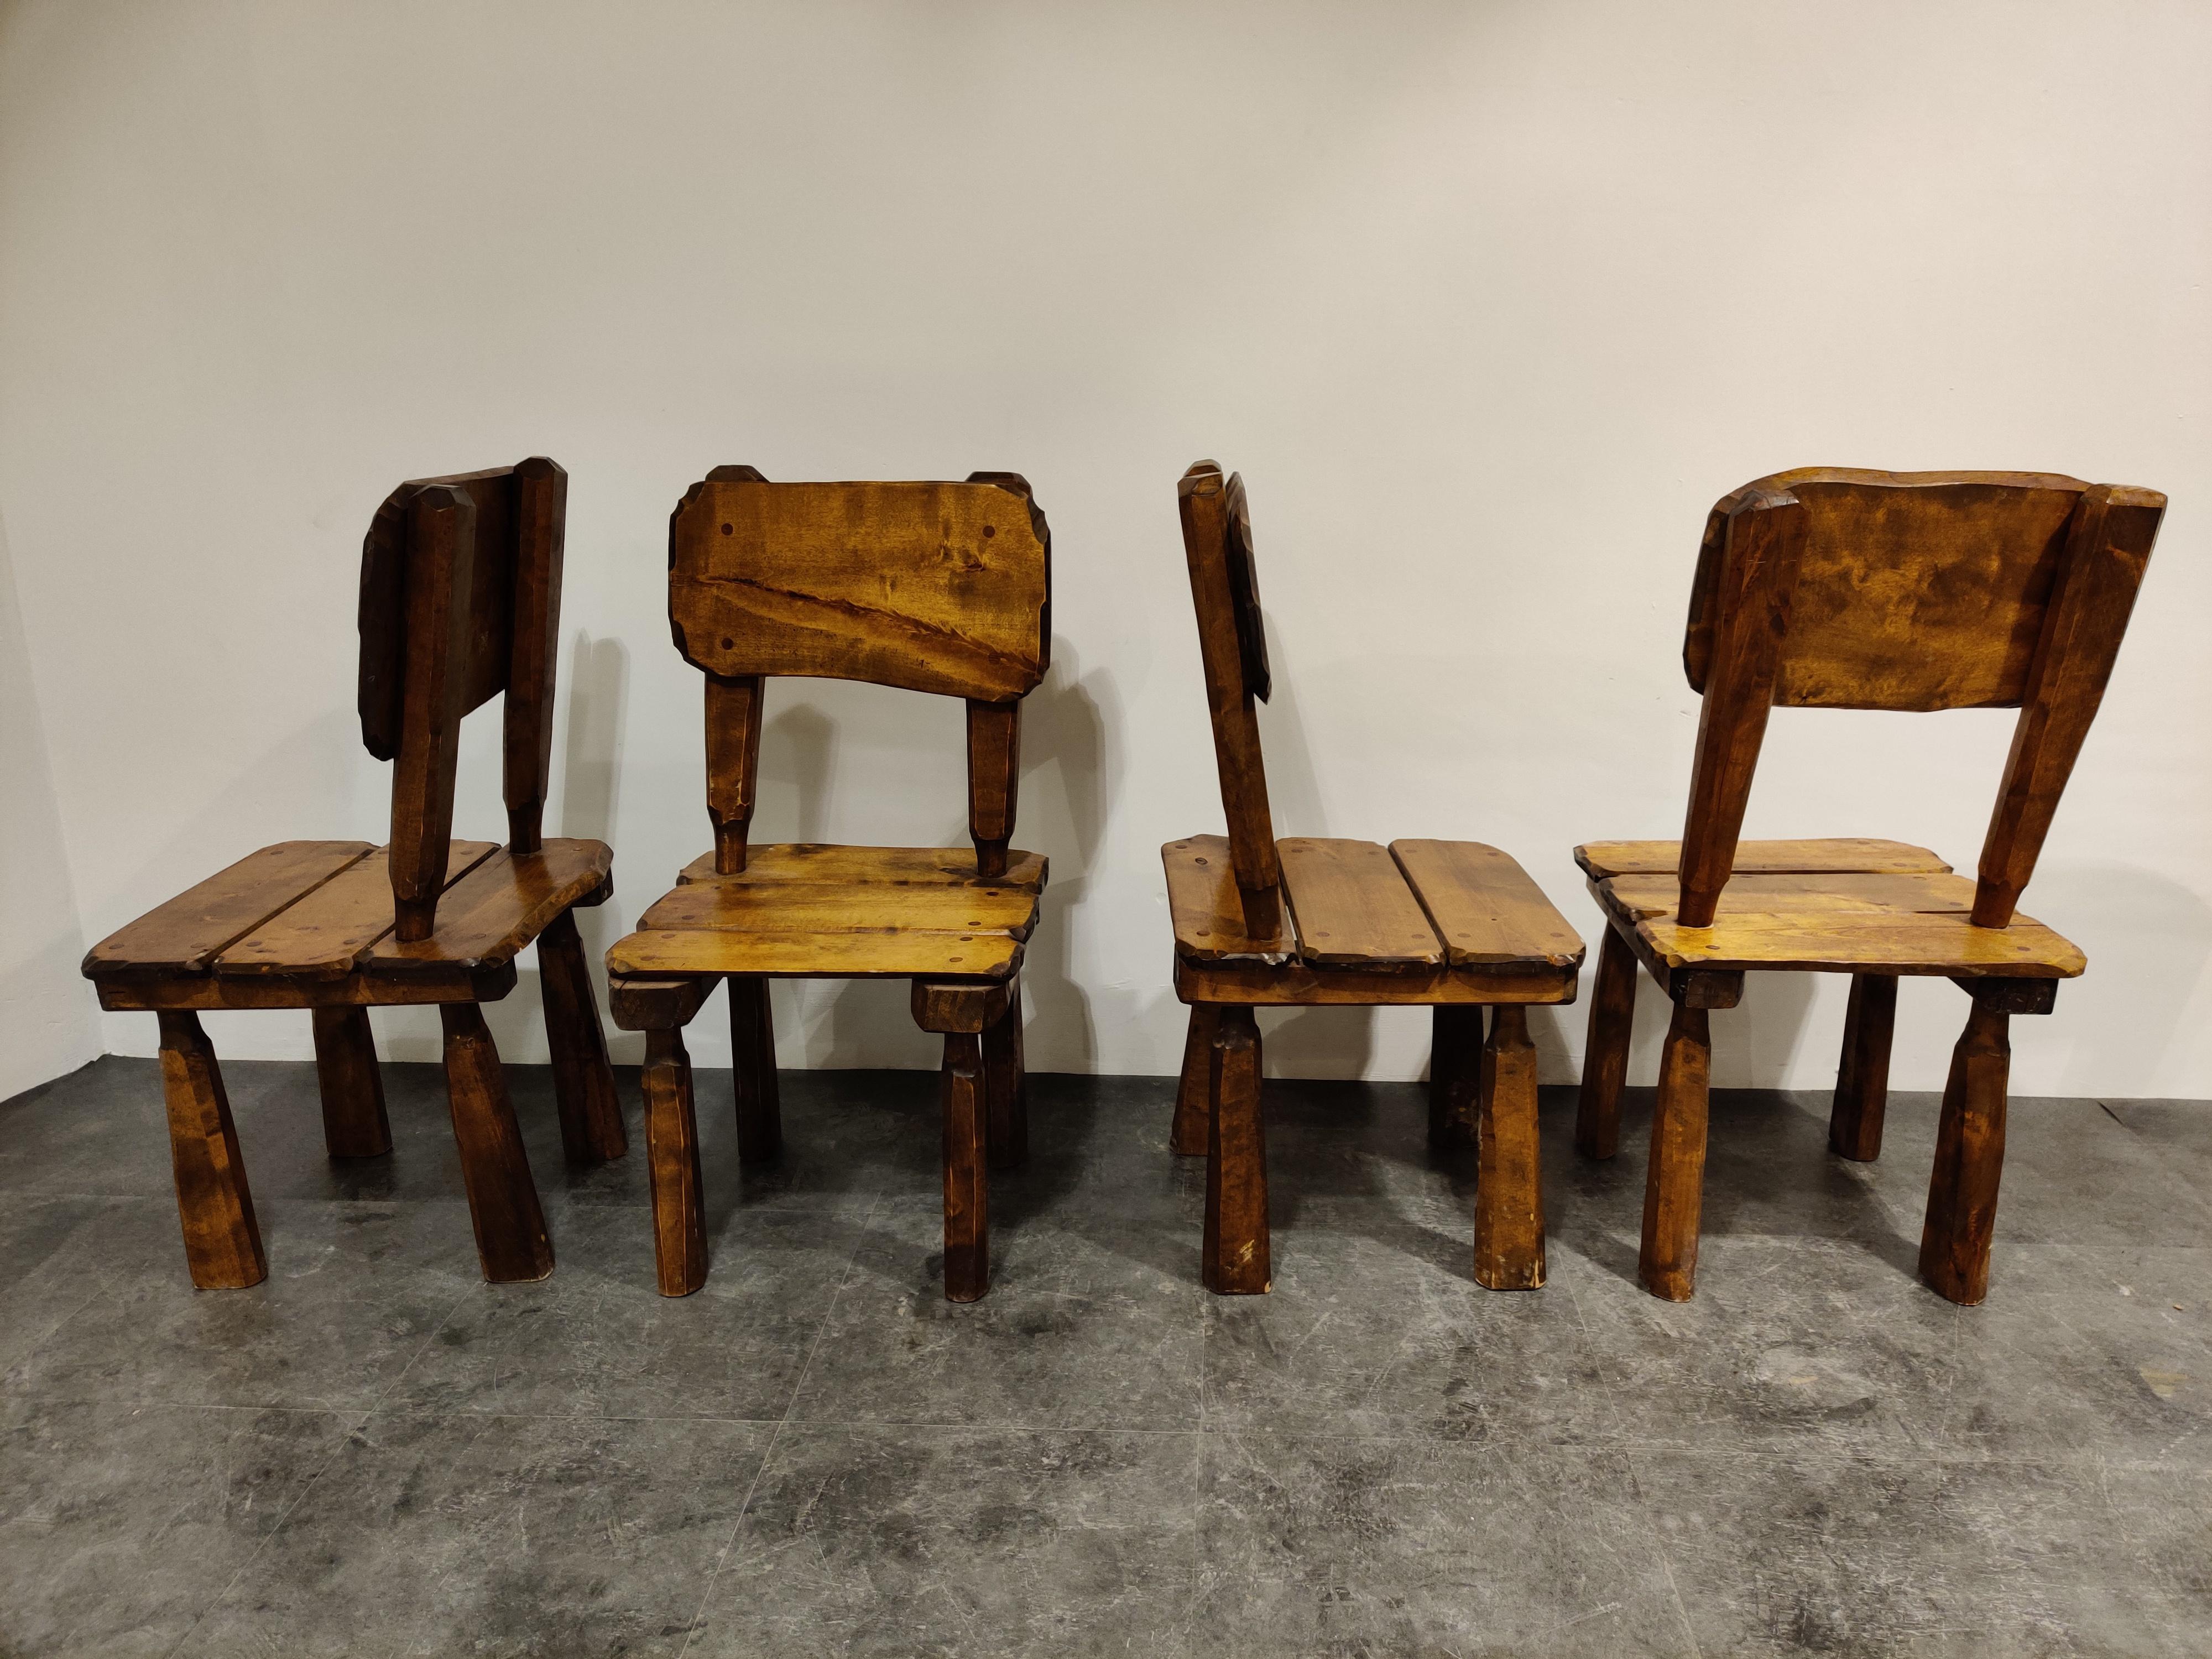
[(422, 1348)]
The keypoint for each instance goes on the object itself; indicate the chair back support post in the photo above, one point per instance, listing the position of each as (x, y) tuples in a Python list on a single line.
[(441, 568), (733, 731), (1758, 579), (994, 766), (541, 500), (1229, 641), (2107, 549)]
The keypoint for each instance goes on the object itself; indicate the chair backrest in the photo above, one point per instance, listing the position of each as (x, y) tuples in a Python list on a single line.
[(1836, 588), (938, 587), (460, 600), (1233, 641)]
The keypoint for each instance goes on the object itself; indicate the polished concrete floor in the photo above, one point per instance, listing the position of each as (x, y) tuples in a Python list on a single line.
[(374, 1452)]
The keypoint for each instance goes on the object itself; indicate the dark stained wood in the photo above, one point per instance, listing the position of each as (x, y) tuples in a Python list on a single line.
[(1673, 1181), (1203, 498), (1508, 1193), (1855, 1119), (355, 1124), (1764, 539), (1605, 1053), (2107, 548), (733, 729), (671, 1150), (499, 907), (1351, 907), (541, 516), (1194, 1110), (1970, 1138), (2012, 996), (222, 1241), (1206, 907), (1483, 908), (812, 864), (1844, 854), (330, 932), (186, 934), (752, 1049), (994, 766), (511, 1239), (583, 1082), (127, 993), (441, 554), (967, 1174), (955, 1005), (643, 1003), (1454, 1077), (937, 587), (1236, 1256), (1295, 985), (1007, 1085)]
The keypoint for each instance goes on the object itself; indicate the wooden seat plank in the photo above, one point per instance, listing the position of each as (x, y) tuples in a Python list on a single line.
[(497, 907), (1847, 854), (818, 956), (1857, 941), (1636, 896), (1204, 905), (326, 933), (893, 865), (1485, 908), (186, 934), (835, 908), (1352, 909)]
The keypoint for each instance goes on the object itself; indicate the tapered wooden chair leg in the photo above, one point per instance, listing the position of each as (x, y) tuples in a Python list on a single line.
[(1605, 1055), (1962, 1196), (1193, 1096), (511, 1238), (671, 1150), (1455, 1076), (1509, 1190), (1673, 1184), (967, 1175), (1006, 1087), (354, 1121), (222, 1241), (1863, 1079), (1237, 1260), (583, 1082), (753, 1055)]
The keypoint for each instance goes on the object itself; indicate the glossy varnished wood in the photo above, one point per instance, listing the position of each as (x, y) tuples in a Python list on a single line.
[(511, 1242), (222, 1240), (1673, 1179), (671, 1150), (1351, 907), (1970, 1139)]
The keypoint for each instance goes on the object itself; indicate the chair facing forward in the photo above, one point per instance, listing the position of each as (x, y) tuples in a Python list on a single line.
[(1834, 588), (1454, 926), (460, 601), (938, 587)]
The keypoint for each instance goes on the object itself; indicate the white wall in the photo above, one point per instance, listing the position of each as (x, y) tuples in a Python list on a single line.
[(1488, 302)]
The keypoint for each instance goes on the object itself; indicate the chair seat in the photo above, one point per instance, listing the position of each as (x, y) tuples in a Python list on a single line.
[(1417, 922), (805, 911), (1841, 906), (306, 922)]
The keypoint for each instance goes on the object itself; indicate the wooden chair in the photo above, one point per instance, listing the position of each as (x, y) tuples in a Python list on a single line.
[(460, 600), (938, 587), (1834, 588), (1454, 926)]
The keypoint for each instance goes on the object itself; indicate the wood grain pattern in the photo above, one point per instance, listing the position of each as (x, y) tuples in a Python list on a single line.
[(758, 1097), (947, 1006), (1236, 1256), (1483, 906), (499, 907), (1970, 1141), (533, 614), (1601, 860), (671, 1150), (733, 729), (1194, 1110), (814, 907), (831, 866), (641, 1003), (903, 955), (994, 768), (1829, 941), (1209, 912), (512, 1243), (937, 587), (1203, 498), (1508, 1192), (331, 931), (1352, 907), (222, 1240), (1454, 1077), (1673, 1184), (434, 693), (1605, 1052), (1005, 1085), (1295, 985), (186, 934), (583, 1082), (126, 993), (1851, 894), (355, 1122), (1861, 1098)]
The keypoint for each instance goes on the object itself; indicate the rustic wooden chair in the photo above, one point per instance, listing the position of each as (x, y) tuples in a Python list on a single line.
[(1832, 588), (1454, 926), (460, 600), (937, 587)]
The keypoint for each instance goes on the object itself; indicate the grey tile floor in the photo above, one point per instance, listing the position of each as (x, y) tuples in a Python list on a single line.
[(374, 1452)]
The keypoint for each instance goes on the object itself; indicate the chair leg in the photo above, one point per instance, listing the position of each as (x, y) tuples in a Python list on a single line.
[(1962, 1194), (1509, 1189), (967, 1179), (752, 1056), (1006, 1087), (354, 1121), (1863, 1079), (1194, 1098), (671, 1151), (222, 1241), (1673, 1184), (1605, 1053), (1455, 1076), (1237, 1260), (583, 1082), (511, 1239)]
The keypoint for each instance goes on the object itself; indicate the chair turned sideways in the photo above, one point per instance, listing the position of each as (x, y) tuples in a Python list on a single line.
[(1831, 588), (1454, 926), (937, 587), (460, 600)]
